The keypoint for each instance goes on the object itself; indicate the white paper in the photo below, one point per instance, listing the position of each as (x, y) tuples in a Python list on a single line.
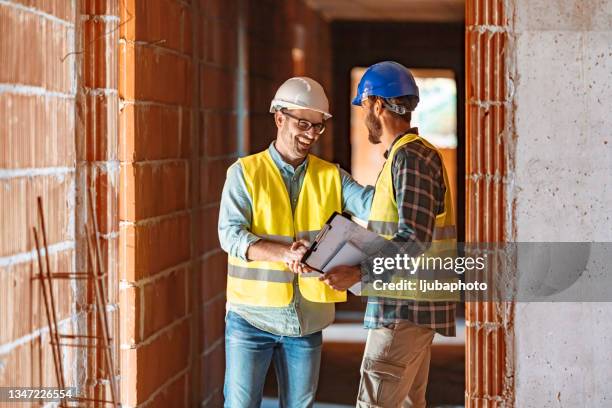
[(350, 255)]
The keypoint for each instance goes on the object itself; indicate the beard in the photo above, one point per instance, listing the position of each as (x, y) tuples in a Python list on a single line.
[(374, 126), (293, 145)]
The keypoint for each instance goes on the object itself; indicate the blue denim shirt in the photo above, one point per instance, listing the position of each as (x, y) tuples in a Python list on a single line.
[(300, 317)]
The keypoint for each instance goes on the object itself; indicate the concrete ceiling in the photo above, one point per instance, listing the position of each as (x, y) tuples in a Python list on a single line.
[(391, 10)]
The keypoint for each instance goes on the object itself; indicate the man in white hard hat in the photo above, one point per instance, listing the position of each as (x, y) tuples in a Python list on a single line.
[(273, 202)]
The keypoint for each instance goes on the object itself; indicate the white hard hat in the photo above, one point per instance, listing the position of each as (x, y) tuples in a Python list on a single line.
[(301, 93)]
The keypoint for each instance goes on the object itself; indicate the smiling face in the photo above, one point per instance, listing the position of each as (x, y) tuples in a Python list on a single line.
[(292, 142)]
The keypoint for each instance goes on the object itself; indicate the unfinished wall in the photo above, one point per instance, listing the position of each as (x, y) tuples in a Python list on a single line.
[(145, 102), (563, 184), (37, 157), (196, 80), (489, 193), (58, 117), (176, 115), (285, 39)]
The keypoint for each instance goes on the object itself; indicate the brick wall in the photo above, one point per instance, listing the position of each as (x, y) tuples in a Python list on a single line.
[(58, 115), (178, 64), (285, 39), (147, 103), (37, 157), (186, 71), (490, 213)]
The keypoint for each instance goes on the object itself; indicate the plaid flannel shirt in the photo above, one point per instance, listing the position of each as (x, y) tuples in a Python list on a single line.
[(418, 182)]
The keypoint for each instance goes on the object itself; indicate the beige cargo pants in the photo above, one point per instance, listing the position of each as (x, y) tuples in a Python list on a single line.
[(395, 367)]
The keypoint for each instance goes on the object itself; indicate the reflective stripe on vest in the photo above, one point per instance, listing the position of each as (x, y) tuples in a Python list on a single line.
[(270, 284), (384, 220)]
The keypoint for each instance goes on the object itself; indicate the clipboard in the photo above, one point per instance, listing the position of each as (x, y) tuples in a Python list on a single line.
[(335, 234)]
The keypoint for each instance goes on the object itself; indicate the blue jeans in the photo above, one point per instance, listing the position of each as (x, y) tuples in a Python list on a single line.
[(248, 353)]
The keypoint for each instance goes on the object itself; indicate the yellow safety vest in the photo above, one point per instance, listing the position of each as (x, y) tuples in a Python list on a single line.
[(259, 283), (384, 220)]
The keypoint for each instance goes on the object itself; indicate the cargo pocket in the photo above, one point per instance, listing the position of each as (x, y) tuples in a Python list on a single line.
[(380, 384)]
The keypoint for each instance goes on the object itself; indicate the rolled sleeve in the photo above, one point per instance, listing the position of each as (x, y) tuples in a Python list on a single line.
[(356, 199), (235, 215)]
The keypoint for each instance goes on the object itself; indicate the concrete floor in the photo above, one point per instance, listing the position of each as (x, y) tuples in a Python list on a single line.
[(343, 345), (273, 403)]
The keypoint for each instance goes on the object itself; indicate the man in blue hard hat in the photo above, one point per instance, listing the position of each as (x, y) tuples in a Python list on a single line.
[(412, 208)]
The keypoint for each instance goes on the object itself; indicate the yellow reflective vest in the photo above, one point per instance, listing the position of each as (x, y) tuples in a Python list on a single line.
[(384, 220), (259, 283)]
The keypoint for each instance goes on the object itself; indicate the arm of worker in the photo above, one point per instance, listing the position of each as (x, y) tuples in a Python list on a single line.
[(356, 199), (263, 250), (235, 215)]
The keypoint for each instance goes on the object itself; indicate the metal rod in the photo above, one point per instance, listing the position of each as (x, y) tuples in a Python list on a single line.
[(92, 400), (41, 216), (44, 292), (67, 275), (80, 336), (101, 314), (102, 285), (92, 346)]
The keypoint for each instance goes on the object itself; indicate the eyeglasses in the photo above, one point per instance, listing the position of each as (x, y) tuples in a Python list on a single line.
[(305, 125)]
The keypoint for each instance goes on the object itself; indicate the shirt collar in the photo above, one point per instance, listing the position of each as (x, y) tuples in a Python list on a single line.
[(413, 130), (283, 165)]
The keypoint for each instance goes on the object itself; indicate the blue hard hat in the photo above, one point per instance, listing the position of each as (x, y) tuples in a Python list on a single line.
[(387, 79)]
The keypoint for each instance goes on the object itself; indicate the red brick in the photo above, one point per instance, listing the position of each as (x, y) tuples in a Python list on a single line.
[(127, 63), (154, 21), (219, 42), (162, 359), (142, 67), (100, 58), (260, 53), (165, 301), (213, 323), (150, 190), (188, 118), (261, 93), (22, 309), (187, 32), (112, 8), (153, 132), (212, 370), (129, 371), (213, 275), (225, 9), (18, 200), (263, 131), (36, 131), (217, 89), (152, 247), (110, 261), (209, 238), (58, 8), (219, 135), (215, 399), (212, 179), (172, 395), (130, 306), (48, 42), (106, 198), (31, 362), (101, 127)]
